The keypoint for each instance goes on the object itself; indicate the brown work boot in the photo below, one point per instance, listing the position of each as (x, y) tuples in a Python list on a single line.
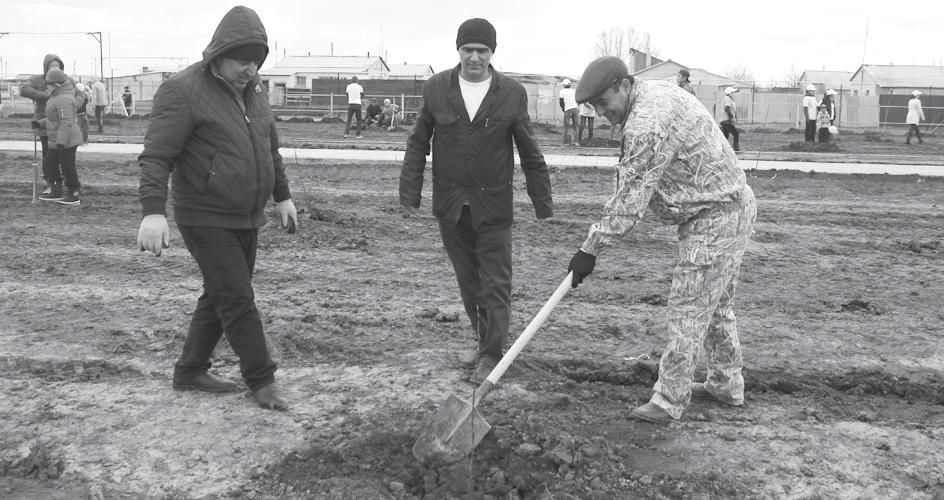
[(469, 359), (485, 366), (205, 382), (650, 412), (700, 392), (270, 398)]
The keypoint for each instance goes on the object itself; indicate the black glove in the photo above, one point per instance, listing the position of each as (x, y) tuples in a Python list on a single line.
[(35, 124), (582, 265)]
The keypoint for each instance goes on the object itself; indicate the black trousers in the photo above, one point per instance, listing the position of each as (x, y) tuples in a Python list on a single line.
[(353, 110), (60, 163), (810, 133), (912, 128), (99, 111), (481, 257), (728, 129), (226, 258)]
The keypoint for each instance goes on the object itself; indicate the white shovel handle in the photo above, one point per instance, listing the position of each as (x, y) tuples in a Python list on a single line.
[(529, 332)]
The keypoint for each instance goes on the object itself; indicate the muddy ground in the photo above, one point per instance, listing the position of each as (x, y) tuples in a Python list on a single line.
[(839, 315)]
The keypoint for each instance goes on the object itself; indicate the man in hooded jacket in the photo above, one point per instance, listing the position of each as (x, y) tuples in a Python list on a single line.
[(212, 128)]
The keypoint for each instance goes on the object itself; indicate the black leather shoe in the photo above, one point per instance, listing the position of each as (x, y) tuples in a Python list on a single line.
[(270, 398), (205, 382), (469, 359)]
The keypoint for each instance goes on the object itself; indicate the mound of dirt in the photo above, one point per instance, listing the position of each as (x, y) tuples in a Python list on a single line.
[(331, 119), (813, 147)]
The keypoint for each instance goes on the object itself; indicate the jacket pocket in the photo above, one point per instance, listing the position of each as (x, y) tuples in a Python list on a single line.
[(228, 186)]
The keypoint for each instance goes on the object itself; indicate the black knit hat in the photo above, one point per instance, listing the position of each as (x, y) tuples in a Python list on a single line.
[(476, 30), (599, 76), (253, 52)]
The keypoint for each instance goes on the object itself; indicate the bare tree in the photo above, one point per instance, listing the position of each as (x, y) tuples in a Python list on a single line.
[(620, 41), (791, 78), (738, 72)]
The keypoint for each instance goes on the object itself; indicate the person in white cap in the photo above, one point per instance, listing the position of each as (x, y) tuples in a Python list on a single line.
[(915, 115), (729, 124), (809, 112), (568, 104)]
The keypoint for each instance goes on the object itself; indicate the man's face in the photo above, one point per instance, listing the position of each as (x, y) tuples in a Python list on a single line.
[(612, 103), (54, 65), (237, 73), (679, 78), (474, 59)]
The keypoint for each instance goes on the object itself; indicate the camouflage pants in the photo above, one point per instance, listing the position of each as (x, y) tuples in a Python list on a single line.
[(701, 306)]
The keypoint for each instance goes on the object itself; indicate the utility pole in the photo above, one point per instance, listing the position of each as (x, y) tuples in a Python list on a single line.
[(97, 35)]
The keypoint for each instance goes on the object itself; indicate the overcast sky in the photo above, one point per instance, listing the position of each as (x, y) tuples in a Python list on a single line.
[(548, 37)]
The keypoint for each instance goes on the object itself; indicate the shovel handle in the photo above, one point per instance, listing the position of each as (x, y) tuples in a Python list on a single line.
[(523, 339)]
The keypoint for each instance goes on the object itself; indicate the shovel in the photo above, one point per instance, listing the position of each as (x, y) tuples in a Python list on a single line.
[(458, 427)]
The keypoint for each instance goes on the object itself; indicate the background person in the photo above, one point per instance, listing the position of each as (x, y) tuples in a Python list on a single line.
[(474, 116), (99, 100), (914, 117), (36, 90), (682, 78), (354, 92), (224, 171), (65, 135), (389, 115), (729, 124), (810, 109), (587, 113), (569, 106), (82, 97), (824, 117), (372, 113), (128, 100), (675, 161)]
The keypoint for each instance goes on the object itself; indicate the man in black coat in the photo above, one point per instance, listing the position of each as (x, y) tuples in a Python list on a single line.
[(474, 116)]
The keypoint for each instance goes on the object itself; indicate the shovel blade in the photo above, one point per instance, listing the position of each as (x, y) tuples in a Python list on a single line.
[(452, 432)]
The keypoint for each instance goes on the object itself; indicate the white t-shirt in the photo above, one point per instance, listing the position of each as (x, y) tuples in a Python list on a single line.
[(473, 93), (569, 95), (809, 102), (354, 91), (727, 102)]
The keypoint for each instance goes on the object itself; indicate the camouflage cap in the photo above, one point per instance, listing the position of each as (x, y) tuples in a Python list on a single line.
[(599, 75)]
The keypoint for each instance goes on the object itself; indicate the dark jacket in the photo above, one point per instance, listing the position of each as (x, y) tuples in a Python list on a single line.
[(221, 147), (473, 159), (60, 117), (35, 89)]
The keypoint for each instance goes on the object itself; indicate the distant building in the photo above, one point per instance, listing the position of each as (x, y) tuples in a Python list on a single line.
[(143, 86), (894, 83), (291, 77), (822, 80), (667, 70), (639, 60)]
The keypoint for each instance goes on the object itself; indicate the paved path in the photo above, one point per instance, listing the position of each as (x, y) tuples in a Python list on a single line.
[(553, 160)]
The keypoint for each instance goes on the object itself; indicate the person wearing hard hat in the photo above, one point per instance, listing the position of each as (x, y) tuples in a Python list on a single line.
[(810, 108), (729, 124), (914, 117), (569, 106), (675, 161)]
